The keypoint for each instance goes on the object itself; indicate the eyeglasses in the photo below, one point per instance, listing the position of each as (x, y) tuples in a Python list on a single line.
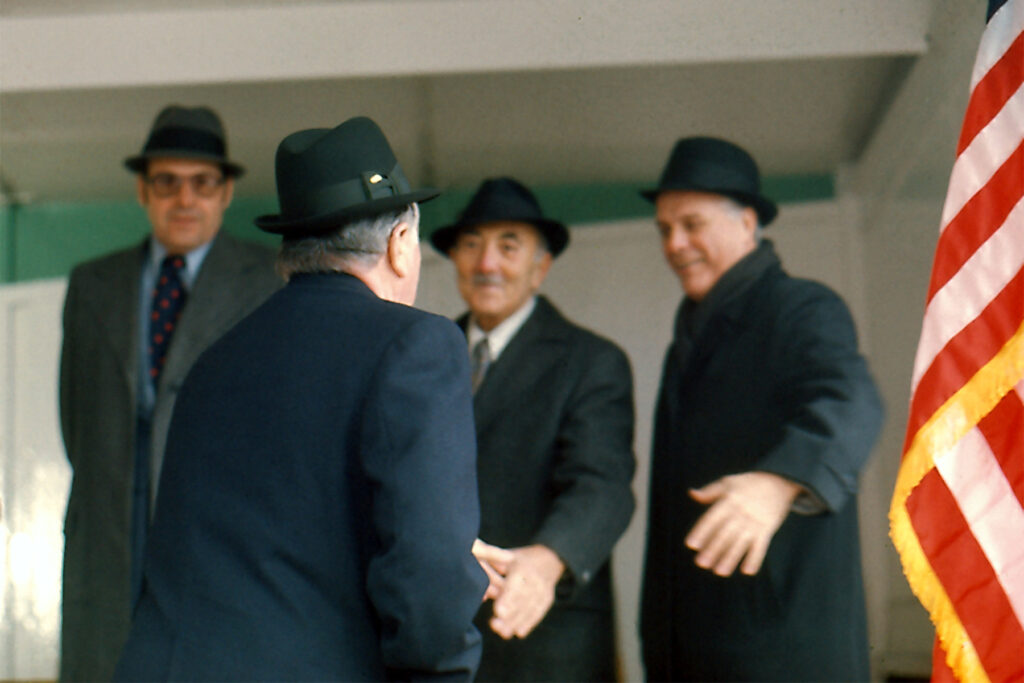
[(169, 184)]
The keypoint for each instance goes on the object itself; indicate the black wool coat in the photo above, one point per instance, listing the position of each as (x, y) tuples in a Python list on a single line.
[(318, 501), (554, 424), (773, 381)]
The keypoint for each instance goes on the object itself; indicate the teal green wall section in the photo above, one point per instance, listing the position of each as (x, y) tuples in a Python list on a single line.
[(46, 240)]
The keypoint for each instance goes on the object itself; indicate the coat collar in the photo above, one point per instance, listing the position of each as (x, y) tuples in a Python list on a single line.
[(524, 361), (112, 289), (698, 326), (219, 282)]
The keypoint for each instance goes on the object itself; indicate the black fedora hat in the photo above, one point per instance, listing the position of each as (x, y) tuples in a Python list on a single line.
[(706, 164), (329, 176), (186, 133), (502, 199)]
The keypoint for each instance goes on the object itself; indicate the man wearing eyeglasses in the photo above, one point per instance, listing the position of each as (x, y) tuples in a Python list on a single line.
[(134, 323)]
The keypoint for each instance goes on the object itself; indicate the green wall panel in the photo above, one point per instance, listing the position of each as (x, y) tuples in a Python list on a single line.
[(43, 241)]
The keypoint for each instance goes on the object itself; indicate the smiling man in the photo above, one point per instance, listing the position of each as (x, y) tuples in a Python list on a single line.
[(553, 404), (134, 322), (766, 415)]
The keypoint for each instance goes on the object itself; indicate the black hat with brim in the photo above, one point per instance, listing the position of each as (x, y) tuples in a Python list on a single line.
[(328, 177), (502, 199), (704, 164), (186, 133)]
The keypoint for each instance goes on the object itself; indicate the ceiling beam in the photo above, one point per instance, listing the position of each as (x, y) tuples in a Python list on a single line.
[(292, 41)]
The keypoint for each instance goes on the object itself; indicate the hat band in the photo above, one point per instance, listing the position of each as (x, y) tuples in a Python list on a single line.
[(171, 138), (368, 187)]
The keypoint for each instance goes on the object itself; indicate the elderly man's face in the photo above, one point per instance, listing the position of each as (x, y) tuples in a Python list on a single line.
[(498, 267), (185, 200), (703, 235)]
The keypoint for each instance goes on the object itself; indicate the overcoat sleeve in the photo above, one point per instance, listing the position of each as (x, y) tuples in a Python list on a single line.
[(593, 465), (834, 411), (418, 452)]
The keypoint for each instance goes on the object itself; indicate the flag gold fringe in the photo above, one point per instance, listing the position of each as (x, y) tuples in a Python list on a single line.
[(938, 435)]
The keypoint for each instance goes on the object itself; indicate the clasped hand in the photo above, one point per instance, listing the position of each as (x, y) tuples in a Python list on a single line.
[(522, 585), (746, 511)]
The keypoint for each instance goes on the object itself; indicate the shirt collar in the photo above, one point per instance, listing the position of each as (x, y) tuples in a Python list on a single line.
[(193, 260), (501, 335)]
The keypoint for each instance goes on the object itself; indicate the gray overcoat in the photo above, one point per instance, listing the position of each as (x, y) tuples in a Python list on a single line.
[(98, 377)]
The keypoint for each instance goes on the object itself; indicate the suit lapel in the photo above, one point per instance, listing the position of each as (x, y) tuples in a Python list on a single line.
[(528, 356), (211, 298), (117, 306)]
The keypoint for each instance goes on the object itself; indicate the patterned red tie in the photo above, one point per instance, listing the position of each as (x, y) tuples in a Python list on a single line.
[(168, 300)]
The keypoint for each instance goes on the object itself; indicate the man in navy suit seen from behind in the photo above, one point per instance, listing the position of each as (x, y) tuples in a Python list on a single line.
[(318, 501)]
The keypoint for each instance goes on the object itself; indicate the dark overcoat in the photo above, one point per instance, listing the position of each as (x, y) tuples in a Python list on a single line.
[(554, 423), (98, 387), (318, 501), (773, 382)]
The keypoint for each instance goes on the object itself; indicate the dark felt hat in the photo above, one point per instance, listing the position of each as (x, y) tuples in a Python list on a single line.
[(186, 133), (326, 177), (705, 164), (502, 199)]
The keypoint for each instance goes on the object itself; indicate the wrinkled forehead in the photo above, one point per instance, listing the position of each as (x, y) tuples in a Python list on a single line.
[(518, 230), (677, 205), (181, 166)]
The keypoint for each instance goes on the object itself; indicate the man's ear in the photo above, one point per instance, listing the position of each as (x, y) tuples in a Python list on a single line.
[(229, 191), (140, 189), (749, 220), (544, 260), (401, 247)]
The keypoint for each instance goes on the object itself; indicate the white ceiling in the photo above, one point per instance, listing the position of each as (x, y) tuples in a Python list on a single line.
[(551, 91)]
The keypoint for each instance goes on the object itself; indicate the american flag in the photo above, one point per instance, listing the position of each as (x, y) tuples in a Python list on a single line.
[(957, 515)]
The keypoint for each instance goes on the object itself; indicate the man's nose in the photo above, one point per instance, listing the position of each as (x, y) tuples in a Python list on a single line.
[(488, 261), (677, 239), (186, 195)]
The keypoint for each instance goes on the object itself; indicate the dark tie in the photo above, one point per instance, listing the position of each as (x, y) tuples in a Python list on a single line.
[(168, 300), (480, 360)]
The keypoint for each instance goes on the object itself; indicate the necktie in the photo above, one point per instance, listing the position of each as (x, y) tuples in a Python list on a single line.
[(168, 301), (480, 360)]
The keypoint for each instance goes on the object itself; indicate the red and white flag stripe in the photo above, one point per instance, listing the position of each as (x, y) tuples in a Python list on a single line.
[(957, 514)]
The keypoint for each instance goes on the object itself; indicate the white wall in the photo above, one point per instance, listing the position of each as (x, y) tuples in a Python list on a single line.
[(34, 478), (611, 279)]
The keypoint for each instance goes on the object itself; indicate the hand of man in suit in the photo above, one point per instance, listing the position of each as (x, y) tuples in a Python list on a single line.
[(746, 511), (495, 562), (529, 590)]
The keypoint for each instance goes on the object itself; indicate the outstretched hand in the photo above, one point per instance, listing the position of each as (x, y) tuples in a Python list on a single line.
[(746, 511)]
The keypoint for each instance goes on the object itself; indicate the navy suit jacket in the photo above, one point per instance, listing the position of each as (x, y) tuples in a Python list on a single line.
[(318, 500)]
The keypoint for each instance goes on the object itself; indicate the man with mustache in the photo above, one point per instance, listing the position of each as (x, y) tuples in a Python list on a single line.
[(134, 323), (553, 405), (766, 415)]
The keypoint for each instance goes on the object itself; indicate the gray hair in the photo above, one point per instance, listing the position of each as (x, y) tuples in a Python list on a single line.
[(735, 207), (362, 241)]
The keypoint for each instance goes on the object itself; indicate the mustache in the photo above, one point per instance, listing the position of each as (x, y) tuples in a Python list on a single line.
[(483, 279)]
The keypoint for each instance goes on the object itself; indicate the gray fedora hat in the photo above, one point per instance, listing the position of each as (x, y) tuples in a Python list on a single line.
[(186, 133), (329, 176), (706, 164)]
